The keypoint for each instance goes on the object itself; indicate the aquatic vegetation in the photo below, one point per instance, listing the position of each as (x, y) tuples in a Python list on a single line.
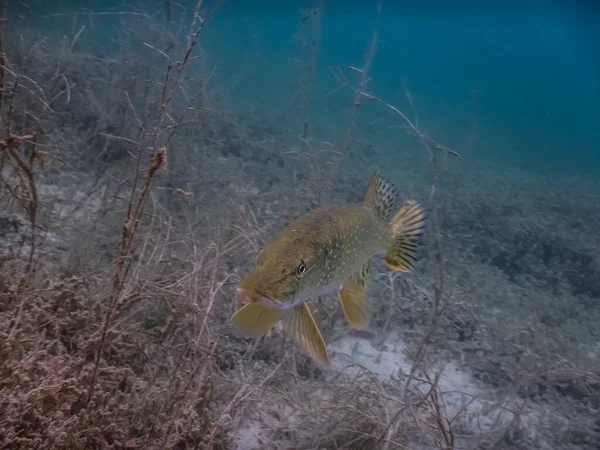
[(134, 200)]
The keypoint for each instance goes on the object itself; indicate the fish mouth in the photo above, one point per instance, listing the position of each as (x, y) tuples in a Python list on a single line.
[(252, 296), (248, 295)]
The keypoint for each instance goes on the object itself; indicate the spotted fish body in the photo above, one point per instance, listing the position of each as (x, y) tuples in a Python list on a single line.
[(344, 238), (328, 249)]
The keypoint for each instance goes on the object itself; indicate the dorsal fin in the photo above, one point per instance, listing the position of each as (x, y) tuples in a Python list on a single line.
[(380, 196)]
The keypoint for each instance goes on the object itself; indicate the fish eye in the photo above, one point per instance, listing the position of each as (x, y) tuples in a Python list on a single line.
[(301, 269)]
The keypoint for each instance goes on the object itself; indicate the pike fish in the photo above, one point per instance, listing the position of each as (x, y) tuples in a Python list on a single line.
[(326, 250)]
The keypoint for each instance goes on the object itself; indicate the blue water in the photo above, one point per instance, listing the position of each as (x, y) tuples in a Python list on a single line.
[(518, 85), (526, 78)]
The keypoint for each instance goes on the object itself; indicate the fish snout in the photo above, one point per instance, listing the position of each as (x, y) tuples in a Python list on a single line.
[(247, 295)]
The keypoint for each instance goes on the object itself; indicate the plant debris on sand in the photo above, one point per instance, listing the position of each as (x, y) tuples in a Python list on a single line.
[(131, 202)]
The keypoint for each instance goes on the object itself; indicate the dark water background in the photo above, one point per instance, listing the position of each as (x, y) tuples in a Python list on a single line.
[(517, 84)]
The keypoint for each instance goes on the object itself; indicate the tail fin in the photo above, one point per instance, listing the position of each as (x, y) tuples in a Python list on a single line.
[(407, 227), (380, 196)]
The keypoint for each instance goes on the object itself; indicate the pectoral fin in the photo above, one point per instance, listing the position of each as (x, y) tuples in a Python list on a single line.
[(300, 325), (355, 301), (254, 320)]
